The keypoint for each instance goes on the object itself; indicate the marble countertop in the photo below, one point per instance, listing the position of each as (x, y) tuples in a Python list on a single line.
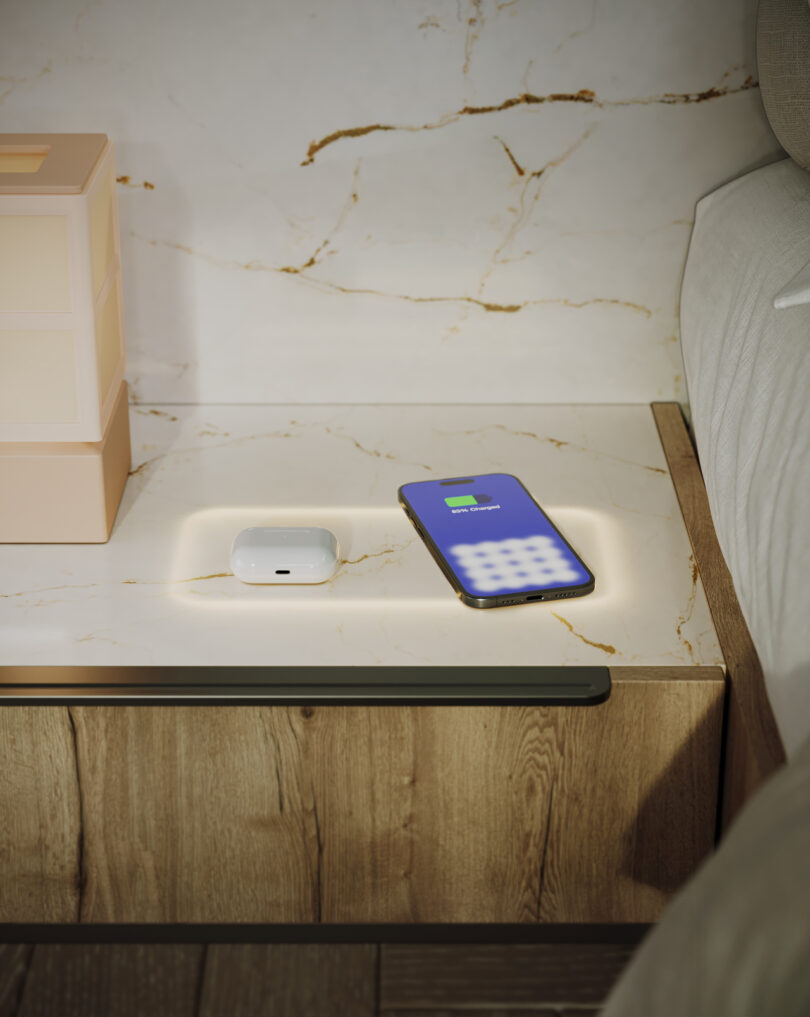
[(161, 592)]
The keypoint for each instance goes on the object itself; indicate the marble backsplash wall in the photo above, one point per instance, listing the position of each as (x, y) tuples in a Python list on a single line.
[(399, 200)]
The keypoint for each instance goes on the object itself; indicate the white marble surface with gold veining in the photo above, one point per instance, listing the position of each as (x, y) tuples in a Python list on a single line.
[(160, 591), (475, 200)]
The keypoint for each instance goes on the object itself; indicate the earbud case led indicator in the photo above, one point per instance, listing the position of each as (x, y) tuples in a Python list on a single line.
[(285, 554)]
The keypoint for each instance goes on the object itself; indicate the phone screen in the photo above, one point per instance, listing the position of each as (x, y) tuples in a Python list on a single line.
[(493, 536)]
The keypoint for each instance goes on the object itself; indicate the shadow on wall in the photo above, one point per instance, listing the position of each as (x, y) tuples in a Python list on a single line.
[(150, 213), (680, 791)]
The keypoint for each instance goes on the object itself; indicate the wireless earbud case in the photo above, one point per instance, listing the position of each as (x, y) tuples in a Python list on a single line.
[(285, 554)]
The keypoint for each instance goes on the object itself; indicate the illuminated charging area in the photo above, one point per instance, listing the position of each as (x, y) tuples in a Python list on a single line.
[(383, 561)]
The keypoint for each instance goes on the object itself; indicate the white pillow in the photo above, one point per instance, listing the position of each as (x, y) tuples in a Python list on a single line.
[(735, 942), (797, 290), (748, 377)]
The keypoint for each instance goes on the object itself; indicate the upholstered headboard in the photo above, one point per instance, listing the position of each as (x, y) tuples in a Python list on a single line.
[(783, 61)]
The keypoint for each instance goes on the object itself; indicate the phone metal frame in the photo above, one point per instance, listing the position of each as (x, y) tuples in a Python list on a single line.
[(534, 596)]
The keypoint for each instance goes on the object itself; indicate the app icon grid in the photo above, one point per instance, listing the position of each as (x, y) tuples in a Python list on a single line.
[(514, 564)]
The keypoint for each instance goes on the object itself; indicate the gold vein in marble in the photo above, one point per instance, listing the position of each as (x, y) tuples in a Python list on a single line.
[(474, 26), (147, 185), (606, 647), (579, 31), (584, 95), (144, 466), (172, 582), (350, 203), (559, 443), (326, 285), (605, 455), (48, 589), (217, 432), (15, 82), (154, 413), (629, 305), (368, 451), (136, 471), (83, 13), (373, 554), (624, 232), (349, 132), (94, 637), (367, 557), (518, 168), (373, 451), (686, 615), (537, 179)]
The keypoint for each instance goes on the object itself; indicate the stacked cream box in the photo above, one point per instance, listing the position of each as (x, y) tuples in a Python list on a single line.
[(64, 423)]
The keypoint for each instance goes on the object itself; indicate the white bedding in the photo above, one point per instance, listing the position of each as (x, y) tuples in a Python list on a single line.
[(748, 377)]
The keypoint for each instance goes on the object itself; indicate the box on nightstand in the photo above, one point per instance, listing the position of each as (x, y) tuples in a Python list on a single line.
[(65, 492), (61, 332), (64, 427)]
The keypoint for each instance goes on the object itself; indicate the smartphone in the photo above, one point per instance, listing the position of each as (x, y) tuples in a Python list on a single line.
[(493, 542)]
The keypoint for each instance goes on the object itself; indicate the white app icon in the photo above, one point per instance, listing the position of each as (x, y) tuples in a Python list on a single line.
[(513, 564)]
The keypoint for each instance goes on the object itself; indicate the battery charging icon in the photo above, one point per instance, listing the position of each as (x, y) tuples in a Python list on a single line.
[(467, 499)]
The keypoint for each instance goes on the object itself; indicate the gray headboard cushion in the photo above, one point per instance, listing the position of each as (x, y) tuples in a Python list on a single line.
[(783, 59)]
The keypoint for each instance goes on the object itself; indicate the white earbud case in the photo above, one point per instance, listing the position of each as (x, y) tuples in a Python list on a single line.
[(285, 554)]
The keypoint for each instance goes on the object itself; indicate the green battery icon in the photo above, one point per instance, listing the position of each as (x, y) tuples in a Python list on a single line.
[(459, 500)]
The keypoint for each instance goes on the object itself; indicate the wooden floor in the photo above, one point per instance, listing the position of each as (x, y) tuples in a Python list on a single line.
[(311, 980)]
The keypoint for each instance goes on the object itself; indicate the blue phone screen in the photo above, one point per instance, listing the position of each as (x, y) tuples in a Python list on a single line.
[(494, 536)]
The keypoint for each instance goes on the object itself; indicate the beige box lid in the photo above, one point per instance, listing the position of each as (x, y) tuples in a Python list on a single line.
[(66, 168)]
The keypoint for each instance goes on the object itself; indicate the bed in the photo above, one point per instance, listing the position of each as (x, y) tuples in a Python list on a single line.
[(736, 940)]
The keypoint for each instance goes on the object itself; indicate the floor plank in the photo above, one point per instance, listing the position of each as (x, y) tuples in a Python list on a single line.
[(415, 977), (308, 980), (14, 961), (290, 980), (580, 1011), (101, 980)]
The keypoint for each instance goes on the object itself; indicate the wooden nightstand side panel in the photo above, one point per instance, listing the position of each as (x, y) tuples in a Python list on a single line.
[(753, 749), (364, 814)]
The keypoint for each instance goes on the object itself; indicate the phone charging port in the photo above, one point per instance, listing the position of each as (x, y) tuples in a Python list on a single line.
[(537, 596)]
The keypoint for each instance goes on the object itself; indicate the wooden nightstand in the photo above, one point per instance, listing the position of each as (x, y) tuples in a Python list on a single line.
[(345, 813)]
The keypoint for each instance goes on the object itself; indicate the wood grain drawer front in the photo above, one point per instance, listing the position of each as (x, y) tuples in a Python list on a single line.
[(361, 814)]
